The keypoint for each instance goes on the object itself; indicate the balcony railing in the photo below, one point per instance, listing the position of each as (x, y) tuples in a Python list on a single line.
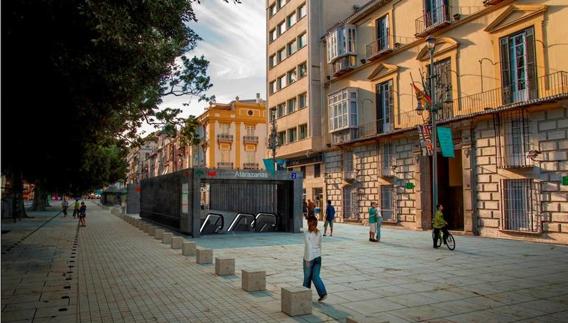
[(224, 165), (433, 19), (250, 139), (250, 165), (224, 138), (349, 175), (379, 47), (546, 87), (344, 65)]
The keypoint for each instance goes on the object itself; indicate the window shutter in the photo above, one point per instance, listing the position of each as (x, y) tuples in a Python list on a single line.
[(505, 71), (379, 105), (531, 66), (390, 117)]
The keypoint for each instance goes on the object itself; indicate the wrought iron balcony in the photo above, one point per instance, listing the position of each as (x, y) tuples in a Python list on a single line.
[(250, 139), (224, 165), (225, 138), (434, 19), (250, 165), (379, 47)]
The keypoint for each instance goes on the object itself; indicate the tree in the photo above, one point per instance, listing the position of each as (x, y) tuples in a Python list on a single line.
[(81, 76)]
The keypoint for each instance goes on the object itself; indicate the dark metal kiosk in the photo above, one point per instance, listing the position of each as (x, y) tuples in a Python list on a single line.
[(205, 201)]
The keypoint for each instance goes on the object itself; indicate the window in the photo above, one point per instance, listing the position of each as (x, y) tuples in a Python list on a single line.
[(302, 11), (273, 61), (280, 109), (387, 159), (303, 131), (384, 104), (281, 28), (292, 47), (443, 87), (520, 201), (382, 33), (317, 170), (340, 42), (347, 160), (387, 205), (291, 20), (436, 12), (514, 130), (281, 82), (281, 138), (303, 171), (292, 135), (272, 114), (224, 128), (302, 100), (302, 40), (291, 76), (342, 110), (291, 105), (273, 35), (280, 3), (350, 203), (302, 69), (250, 157), (273, 10), (518, 71), (273, 88), (281, 54), (249, 130)]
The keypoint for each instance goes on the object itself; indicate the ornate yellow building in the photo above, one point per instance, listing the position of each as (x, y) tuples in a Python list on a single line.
[(500, 84), (234, 134)]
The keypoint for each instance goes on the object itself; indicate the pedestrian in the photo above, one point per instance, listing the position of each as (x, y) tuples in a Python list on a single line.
[(438, 224), (64, 206), (373, 222), (76, 207), (329, 217), (311, 207), (312, 258), (305, 209), (379, 223), (82, 214)]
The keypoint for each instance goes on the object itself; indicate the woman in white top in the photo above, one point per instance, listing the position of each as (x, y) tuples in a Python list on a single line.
[(312, 258)]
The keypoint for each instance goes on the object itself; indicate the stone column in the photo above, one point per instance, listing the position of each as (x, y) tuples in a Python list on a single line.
[(469, 223)]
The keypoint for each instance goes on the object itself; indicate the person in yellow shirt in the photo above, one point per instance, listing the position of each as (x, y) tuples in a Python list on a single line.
[(438, 224)]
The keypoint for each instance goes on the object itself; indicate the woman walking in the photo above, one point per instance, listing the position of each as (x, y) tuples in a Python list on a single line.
[(312, 258)]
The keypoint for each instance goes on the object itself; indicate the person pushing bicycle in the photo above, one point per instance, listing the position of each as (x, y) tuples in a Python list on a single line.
[(438, 224)]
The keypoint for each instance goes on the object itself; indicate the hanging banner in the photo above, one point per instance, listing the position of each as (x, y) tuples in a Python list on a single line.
[(269, 165), (425, 137), (446, 141)]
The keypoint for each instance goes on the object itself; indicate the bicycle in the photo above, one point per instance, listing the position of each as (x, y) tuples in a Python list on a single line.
[(450, 241)]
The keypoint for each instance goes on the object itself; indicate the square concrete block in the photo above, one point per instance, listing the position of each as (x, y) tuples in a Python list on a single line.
[(177, 242), (204, 256), (167, 237), (158, 233), (188, 248), (296, 301), (224, 266), (253, 281)]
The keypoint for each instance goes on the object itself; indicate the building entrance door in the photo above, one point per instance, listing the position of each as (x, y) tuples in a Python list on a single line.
[(450, 190)]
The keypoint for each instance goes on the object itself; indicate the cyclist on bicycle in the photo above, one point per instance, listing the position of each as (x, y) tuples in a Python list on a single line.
[(438, 224)]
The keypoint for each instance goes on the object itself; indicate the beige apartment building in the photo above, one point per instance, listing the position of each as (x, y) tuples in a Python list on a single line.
[(234, 134), (500, 84), (294, 29)]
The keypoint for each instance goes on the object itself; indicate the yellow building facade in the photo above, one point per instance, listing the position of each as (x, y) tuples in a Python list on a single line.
[(234, 134), (500, 84)]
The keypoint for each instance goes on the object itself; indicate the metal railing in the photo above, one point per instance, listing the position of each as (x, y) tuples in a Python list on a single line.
[(520, 199), (250, 165), (349, 175), (378, 47), (250, 139), (224, 138), (545, 87), (435, 18), (224, 165)]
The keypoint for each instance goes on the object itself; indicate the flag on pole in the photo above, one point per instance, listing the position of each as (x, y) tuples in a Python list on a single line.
[(421, 96)]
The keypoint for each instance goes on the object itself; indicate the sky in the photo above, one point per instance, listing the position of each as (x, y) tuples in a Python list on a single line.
[(234, 42)]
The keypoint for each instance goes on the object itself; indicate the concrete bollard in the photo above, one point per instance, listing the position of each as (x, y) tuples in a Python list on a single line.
[(204, 256), (224, 266), (296, 300), (167, 237), (177, 242), (159, 234), (253, 281), (188, 248)]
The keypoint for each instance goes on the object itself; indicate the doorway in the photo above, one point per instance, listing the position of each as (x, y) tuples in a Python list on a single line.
[(450, 189)]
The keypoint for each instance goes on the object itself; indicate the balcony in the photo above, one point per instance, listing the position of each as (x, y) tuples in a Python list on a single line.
[(225, 138), (250, 139), (379, 47), (343, 65), (547, 87), (430, 21), (250, 165), (226, 165)]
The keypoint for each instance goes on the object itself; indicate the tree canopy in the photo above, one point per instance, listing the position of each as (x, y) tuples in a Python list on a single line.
[(79, 77)]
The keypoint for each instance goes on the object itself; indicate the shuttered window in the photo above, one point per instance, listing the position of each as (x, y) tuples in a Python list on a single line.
[(518, 70)]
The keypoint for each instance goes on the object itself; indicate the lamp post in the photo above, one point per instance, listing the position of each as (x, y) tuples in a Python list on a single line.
[(431, 43)]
